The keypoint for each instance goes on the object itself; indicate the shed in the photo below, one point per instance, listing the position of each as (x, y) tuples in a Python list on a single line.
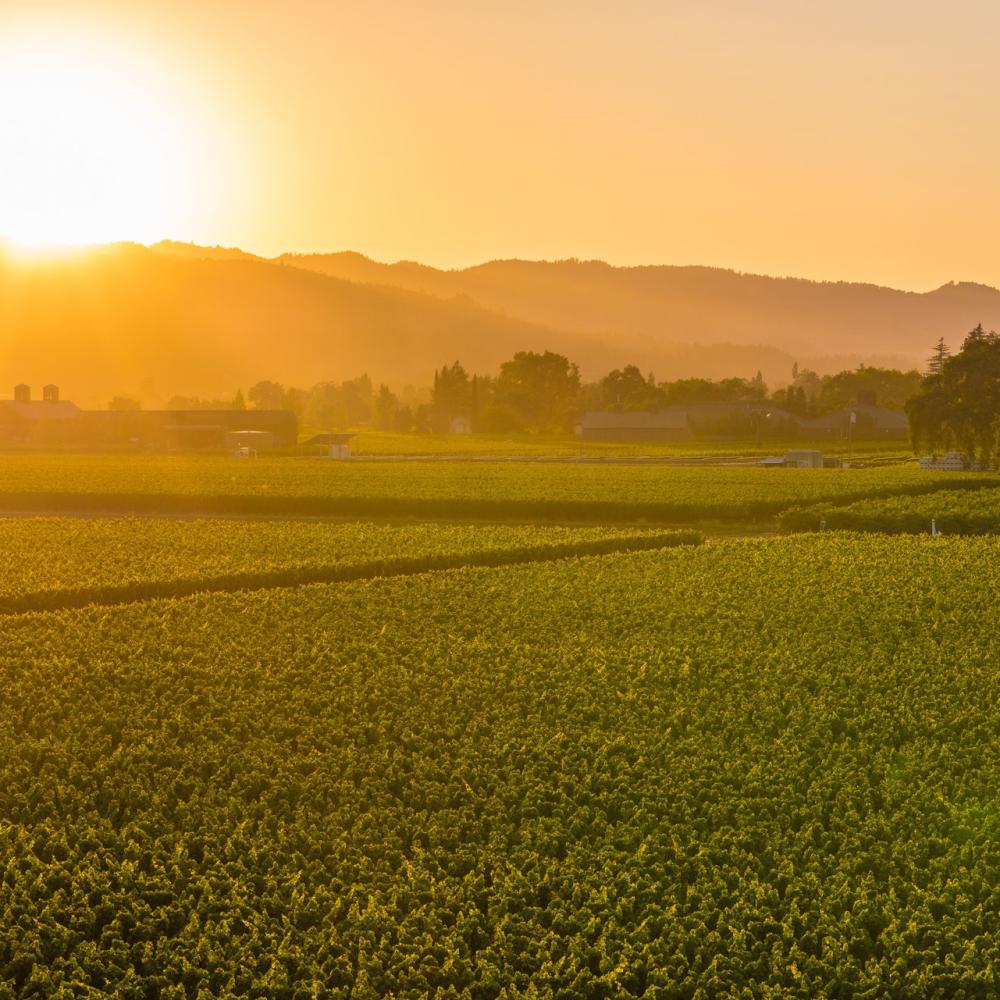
[(804, 458), (460, 425), (336, 445), (251, 440)]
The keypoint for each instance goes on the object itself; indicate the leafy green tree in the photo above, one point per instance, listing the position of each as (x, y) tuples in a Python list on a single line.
[(451, 396), (891, 387), (959, 405), (124, 403), (385, 409), (628, 389), (543, 389), (266, 395)]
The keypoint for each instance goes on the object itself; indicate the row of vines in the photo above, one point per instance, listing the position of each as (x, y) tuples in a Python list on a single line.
[(442, 489), (54, 562), (961, 512)]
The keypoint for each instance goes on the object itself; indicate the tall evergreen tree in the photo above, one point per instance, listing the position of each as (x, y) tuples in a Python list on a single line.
[(940, 354)]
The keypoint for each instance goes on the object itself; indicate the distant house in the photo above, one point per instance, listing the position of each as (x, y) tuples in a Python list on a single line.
[(735, 419), (27, 421), (869, 420), (186, 430), (665, 425), (460, 425)]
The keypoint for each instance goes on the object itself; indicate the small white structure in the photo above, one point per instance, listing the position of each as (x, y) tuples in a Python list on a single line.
[(243, 444), (460, 425), (953, 461), (804, 458), (335, 445)]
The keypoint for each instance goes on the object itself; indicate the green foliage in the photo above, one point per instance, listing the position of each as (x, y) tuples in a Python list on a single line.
[(542, 389), (958, 406), (955, 512), (752, 769), (266, 395), (452, 395), (891, 387), (629, 389)]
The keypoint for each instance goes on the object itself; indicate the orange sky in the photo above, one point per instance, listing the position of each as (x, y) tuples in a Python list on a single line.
[(828, 140)]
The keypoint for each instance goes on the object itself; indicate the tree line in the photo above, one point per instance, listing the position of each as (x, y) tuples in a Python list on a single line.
[(544, 392)]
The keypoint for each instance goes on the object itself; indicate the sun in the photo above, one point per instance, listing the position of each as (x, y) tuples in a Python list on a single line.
[(92, 148)]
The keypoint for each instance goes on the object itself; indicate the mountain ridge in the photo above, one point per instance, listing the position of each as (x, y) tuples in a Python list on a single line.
[(180, 318)]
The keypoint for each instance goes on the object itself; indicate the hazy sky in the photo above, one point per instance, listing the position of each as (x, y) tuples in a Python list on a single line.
[(830, 140)]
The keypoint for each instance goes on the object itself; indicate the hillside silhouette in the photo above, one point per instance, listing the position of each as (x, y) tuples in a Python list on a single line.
[(130, 319), (817, 322), (178, 318)]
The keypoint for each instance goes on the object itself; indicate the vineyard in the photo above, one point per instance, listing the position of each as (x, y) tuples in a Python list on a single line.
[(955, 512), (383, 443), (444, 489), (66, 562), (757, 768)]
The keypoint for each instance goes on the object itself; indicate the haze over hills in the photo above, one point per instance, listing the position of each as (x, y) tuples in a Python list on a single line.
[(819, 323), (178, 318), (128, 319)]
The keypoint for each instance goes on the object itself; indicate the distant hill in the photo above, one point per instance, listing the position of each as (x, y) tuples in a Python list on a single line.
[(819, 323), (177, 318), (128, 319)]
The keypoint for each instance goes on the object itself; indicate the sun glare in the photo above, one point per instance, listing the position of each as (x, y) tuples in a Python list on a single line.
[(91, 148)]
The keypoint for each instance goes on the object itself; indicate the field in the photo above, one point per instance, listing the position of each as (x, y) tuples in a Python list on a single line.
[(63, 562), (278, 757), (961, 512), (369, 442), (453, 490), (757, 768)]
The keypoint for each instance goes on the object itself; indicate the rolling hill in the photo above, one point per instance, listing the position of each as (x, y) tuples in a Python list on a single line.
[(178, 318), (818, 323), (128, 319)]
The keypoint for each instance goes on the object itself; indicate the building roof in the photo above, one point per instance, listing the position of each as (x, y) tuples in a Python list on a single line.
[(39, 409), (672, 419), (874, 416)]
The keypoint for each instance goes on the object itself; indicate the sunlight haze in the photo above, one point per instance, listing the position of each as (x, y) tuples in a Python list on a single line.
[(834, 141)]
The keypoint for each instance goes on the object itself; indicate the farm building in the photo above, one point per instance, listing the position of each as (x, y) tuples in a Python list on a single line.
[(666, 425), (869, 420), (803, 458), (460, 425), (185, 430), (334, 445), (26, 421), (738, 419), (250, 441)]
